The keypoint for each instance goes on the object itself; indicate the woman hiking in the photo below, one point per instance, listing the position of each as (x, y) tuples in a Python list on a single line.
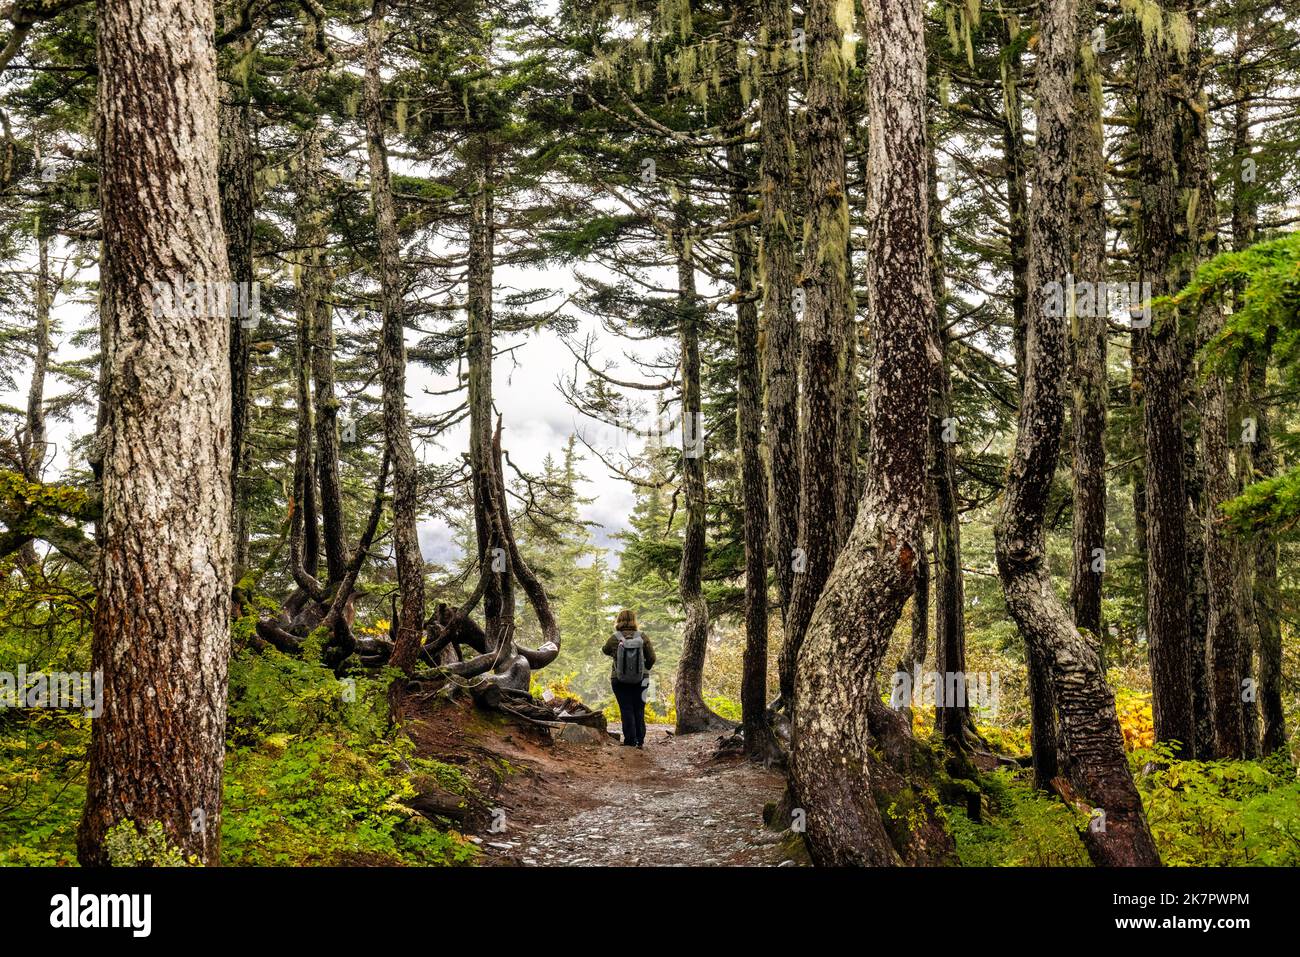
[(633, 658)]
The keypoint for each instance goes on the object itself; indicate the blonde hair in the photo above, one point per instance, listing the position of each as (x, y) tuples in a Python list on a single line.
[(626, 620)]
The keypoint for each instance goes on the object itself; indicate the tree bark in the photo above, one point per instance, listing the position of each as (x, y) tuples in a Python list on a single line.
[(951, 719), (1165, 135), (693, 714), (1226, 642), (235, 175), (1089, 332), (162, 613), (1090, 730), (1042, 702), (827, 325), (392, 365), (780, 331), (753, 478), (875, 574), (493, 553), (1257, 460)]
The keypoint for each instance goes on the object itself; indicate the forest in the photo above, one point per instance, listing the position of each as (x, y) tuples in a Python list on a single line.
[(922, 374)]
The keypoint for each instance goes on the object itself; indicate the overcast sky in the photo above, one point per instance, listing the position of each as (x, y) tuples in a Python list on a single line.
[(537, 420)]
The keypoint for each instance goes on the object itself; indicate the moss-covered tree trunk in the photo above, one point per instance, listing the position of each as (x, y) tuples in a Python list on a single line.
[(780, 330), (825, 329), (392, 365), (1094, 746), (753, 476), (237, 209), (693, 714), (1165, 131), (951, 718), (875, 574), (1089, 332)]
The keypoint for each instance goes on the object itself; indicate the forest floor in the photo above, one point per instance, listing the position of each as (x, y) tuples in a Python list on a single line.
[(567, 803)]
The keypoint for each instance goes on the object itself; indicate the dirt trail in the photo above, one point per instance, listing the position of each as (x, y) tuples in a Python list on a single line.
[(669, 804)]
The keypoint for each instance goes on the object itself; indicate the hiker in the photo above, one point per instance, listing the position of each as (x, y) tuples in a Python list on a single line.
[(633, 658)]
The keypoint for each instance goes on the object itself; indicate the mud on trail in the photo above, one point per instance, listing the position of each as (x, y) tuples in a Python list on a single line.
[(569, 803)]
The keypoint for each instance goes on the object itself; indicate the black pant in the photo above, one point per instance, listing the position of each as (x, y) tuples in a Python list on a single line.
[(631, 705)]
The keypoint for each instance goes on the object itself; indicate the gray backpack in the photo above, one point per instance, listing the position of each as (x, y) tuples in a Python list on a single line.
[(629, 659)]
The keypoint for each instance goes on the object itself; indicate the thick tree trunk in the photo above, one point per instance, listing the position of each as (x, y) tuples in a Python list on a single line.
[(392, 366), (162, 613), (827, 325), (753, 477), (1089, 333), (875, 574), (692, 713), (780, 332), (1094, 745), (1165, 133)]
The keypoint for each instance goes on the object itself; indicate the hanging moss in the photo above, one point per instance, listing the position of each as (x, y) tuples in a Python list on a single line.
[(1171, 31)]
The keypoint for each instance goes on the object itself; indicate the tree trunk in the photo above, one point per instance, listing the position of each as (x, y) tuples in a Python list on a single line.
[(753, 477), (827, 325), (875, 574), (1165, 134), (392, 366), (1089, 331), (1013, 155), (493, 555), (1226, 642), (951, 719), (920, 612), (235, 174), (780, 332), (1257, 460), (33, 443), (162, 613), (692, 713), (305, 541), (1090, 730), (1042, 703), (1265, 591)]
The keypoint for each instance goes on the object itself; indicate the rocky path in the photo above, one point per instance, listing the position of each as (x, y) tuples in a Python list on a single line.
[(669, 804)]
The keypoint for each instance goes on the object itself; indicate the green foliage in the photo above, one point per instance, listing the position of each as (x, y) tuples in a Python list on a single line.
[(332, 799), (1220, 813), (274, 693), (315, 775), (42, 786), (1264, 324), (130, 846), (1023, 827)]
